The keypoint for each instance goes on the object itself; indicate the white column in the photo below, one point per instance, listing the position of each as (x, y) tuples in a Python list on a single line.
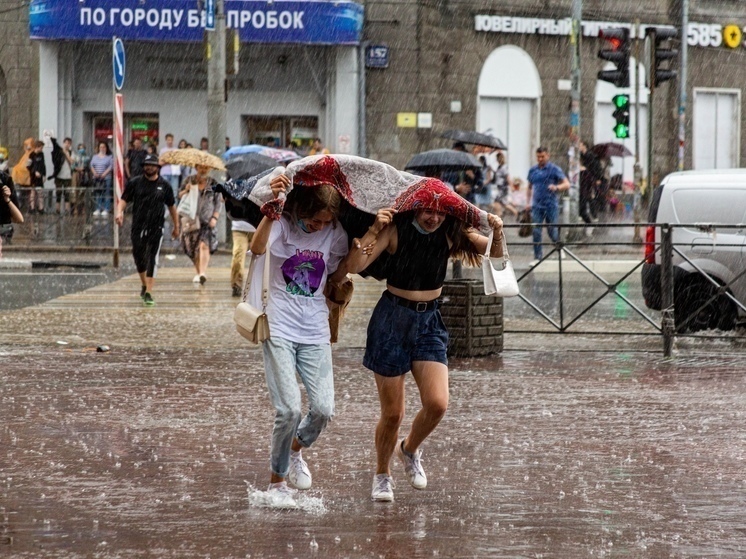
[(48, 94), (48, 86), (342, 102)]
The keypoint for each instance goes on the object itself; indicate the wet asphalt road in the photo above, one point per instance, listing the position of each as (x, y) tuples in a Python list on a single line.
[(153, 448)]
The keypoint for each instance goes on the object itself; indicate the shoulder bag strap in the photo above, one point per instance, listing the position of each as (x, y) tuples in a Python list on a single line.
[(265, 280), (247, 283)]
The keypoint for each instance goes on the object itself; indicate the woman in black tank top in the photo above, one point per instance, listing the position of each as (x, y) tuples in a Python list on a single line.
[(406, 331)]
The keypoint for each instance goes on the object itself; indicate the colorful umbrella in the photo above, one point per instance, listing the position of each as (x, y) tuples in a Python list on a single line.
[(191, 157), (281, 155)]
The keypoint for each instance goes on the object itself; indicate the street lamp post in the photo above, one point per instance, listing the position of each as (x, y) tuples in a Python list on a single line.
[(216, 91), (576, 35)]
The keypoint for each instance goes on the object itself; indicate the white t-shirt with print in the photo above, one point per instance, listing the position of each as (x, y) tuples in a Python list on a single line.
[(300, 264)]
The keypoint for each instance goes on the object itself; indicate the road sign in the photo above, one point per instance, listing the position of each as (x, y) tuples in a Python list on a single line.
[(210, 15), (118, 63), (377, 56)]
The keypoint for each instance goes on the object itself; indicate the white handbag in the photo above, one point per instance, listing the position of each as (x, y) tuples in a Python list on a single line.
[(189, 203), (503, 282), (252, 323)]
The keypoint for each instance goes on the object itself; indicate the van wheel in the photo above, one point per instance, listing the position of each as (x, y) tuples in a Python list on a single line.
[(718, 313)]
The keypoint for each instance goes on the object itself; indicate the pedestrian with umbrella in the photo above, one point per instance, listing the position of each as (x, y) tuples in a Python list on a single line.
[(148, 193), (199, 238)]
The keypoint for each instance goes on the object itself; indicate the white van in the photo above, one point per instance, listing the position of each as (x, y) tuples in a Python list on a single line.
[(700, 197)]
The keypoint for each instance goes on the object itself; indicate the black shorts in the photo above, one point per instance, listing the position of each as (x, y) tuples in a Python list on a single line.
[(399, 335), (146, 245)]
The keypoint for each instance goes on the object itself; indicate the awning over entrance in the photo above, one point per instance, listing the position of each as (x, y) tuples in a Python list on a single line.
[(320, 22)]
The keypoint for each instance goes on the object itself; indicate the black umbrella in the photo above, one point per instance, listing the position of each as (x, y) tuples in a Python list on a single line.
[(249, 164), (473, 137), (442, 160), (610, 149)]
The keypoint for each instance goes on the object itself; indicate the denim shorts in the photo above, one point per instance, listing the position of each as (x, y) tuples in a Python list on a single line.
[(398, 335)]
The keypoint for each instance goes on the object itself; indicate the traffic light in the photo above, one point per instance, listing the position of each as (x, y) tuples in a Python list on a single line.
[(660, 54), (621, 115), (617, 51)]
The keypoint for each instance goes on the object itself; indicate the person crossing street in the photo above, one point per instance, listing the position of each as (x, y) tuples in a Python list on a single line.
[(148, 193)]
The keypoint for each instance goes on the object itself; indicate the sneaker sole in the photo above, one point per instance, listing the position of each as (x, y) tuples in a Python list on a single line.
[(382, 499)]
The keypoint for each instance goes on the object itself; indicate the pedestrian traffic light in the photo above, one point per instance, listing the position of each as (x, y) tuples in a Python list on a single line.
[(621, 115), (617, 51), (660, 54)]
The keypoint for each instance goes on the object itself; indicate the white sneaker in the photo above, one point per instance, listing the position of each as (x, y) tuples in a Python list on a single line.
[(412, 466), (96, 213), (196, 279), (104, 213), (383, 488), (299, 474), (533, 263), (281, 496)]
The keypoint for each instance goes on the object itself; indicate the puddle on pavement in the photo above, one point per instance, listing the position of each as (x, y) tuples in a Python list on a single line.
[(542, 454)]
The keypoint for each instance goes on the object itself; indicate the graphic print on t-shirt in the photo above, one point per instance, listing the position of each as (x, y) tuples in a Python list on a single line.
[(303, 272)]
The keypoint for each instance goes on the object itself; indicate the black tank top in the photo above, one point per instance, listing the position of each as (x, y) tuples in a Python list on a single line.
[(421, 260)]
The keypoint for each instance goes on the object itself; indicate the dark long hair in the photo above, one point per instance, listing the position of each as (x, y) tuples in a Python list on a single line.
[(462, 248)]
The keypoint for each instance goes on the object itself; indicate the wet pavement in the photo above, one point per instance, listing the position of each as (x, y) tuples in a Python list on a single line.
[(556, 448)]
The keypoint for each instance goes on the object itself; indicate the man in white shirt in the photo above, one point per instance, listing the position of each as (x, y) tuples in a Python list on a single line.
[(172, 173)]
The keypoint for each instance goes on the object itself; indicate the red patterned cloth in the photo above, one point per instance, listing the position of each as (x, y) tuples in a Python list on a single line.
[(369, 186)]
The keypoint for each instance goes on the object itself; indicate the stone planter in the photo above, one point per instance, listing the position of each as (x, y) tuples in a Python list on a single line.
[(474, 320)]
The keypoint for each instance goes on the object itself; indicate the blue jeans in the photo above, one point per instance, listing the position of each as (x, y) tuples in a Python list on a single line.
[(313, 362), (103, 193), (541, 214)]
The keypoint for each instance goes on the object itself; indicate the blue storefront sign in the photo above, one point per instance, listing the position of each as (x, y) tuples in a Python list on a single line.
[(321, 22)]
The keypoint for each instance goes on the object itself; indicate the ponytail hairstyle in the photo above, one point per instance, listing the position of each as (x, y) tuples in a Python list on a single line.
[(305, 202)]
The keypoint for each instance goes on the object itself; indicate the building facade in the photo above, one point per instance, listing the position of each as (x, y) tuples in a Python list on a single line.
[(297, 79), (506, 68), (381, 78), (19, 79)]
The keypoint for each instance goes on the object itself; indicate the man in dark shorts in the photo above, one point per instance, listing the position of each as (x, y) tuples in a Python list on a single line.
[(148, 193)]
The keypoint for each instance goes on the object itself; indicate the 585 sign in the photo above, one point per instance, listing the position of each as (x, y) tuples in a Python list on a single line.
[(715, 35)]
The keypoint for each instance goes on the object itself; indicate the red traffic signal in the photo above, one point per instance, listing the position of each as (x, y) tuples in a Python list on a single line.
[(617, 51)]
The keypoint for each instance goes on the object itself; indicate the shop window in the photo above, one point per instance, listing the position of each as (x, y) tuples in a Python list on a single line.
[(296, 133)]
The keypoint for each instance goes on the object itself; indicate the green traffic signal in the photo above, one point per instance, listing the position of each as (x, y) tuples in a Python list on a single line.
[(621, 115), (621, 102), (621, 131)]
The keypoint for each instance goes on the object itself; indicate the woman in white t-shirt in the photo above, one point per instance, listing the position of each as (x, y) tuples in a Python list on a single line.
[(305, 247)]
